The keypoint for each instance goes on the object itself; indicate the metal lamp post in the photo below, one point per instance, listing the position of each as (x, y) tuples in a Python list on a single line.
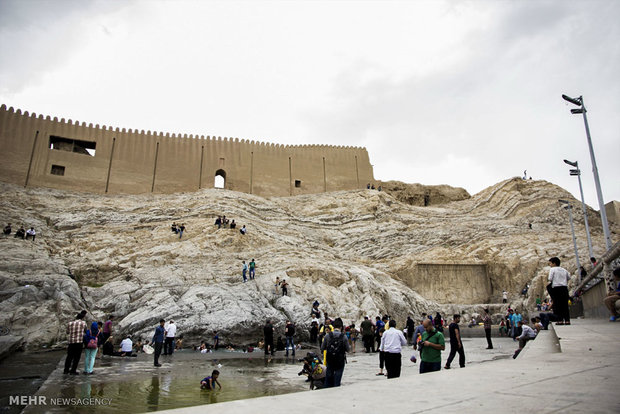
[(569, 207), (599, 193), (576, 171)]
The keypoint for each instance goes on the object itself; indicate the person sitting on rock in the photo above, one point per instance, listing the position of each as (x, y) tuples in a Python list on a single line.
[(7, 230), (233, 225), (31, 233), (174, 228), (108, 347), (21, 233), (243, 230)]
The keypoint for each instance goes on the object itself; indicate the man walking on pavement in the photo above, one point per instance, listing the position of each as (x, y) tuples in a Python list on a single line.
[(392, 342), (456, 344)]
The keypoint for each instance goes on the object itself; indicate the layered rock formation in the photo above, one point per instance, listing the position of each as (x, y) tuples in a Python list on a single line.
[(357, 252)]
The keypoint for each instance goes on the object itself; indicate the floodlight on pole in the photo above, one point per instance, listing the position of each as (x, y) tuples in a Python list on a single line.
[(574, 101), (599, 193), (576, 171), (572, 228)]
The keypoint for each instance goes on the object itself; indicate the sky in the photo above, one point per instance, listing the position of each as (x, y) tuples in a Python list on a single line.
[(464, 93)]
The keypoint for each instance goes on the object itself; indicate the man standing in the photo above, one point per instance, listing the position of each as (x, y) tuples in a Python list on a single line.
[(558, 277), (487, 328), (367, 334), (335, 346), (378, 325), (171, 332), (268, 332), (456, 344), (158, 341), (244, 270), (432, 343), (252, 269), (289, 332), (410, 329), (417, 334), (504, 296), (392, 342), (75, 336), (107, 328)]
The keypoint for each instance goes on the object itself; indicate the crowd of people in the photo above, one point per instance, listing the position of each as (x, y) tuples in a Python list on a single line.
[(334, 340)]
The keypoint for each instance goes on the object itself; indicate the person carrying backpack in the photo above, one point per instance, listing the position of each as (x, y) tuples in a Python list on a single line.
[(335, 346)]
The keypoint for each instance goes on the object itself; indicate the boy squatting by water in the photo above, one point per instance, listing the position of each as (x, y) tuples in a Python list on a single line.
[(208, 383)]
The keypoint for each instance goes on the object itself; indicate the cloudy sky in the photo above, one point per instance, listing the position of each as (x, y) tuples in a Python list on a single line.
[(465, 93)]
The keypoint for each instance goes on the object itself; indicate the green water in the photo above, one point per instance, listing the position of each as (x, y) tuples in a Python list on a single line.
[(133, 385)]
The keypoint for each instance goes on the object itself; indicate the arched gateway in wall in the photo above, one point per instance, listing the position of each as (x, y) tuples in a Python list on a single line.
[(46, 152)]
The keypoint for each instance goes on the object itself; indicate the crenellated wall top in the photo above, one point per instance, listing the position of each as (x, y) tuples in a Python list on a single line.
[(11, 110)]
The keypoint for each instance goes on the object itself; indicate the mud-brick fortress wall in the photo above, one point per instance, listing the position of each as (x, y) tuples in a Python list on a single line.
[(45, 152)]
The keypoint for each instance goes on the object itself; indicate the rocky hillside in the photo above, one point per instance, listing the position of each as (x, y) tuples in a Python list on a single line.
[(354, 251)]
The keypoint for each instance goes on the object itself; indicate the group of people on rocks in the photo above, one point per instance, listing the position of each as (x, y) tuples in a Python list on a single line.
[(222, 221), (248, 269), (282, 285), (21, 233), (178, 229), (372, 187)]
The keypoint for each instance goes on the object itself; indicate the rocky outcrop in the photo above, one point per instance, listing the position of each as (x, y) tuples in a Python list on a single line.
[(423, 195), (357, 252)]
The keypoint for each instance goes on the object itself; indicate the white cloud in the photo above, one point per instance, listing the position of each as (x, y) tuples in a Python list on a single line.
[(432, 89)]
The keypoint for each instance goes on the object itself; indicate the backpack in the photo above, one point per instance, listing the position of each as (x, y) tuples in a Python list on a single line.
[(336, 349)]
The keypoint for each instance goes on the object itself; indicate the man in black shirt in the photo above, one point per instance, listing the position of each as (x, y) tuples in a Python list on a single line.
[(268, 332), (289, 332), (456, 345)]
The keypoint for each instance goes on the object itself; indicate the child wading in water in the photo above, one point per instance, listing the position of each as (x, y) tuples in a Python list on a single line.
[(209, 382)]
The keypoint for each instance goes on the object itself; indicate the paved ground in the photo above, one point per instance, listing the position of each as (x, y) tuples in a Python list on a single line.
[(581, 378)]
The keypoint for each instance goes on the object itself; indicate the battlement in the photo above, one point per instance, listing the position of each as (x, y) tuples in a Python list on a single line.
[(50, 152)]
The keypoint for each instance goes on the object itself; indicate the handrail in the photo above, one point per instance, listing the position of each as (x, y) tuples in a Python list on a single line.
[(609, 256)]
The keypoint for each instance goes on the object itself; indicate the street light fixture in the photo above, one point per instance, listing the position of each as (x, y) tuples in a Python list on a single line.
[(572, 228), (597, 183), (576, 171)]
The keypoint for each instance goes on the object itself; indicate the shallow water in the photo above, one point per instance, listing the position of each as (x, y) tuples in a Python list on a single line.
[(134, 385)]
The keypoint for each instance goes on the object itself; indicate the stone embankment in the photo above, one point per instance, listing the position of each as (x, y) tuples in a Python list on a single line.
[(356, 252)]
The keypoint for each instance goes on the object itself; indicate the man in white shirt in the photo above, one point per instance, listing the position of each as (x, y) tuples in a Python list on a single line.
[(392, 342), (31, 233), (558, 278), (126, 346), (171, 332)]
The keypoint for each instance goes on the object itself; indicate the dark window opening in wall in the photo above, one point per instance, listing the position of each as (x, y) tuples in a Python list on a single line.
[(297, 183), (73, 145), (57, 170), (220, 179)]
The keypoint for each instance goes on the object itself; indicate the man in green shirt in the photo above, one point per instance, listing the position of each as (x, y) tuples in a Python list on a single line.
[(433, 343)]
